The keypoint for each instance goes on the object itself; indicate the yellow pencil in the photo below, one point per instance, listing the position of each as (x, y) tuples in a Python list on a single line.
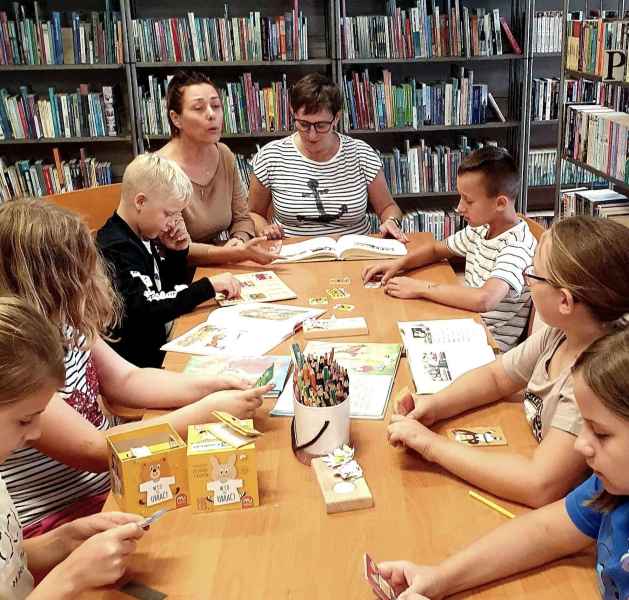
[(496, 507)]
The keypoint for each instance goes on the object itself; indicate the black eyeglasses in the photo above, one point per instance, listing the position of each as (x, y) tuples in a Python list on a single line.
[(319, 126), (529, 274)]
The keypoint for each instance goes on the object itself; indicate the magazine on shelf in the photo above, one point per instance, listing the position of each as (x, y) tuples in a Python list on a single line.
[(243, 330), (347, 247), (440, 351)]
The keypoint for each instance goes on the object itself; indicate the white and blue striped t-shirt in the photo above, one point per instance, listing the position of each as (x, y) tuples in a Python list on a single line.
[(503, 257), (40, 485), (305, 192)]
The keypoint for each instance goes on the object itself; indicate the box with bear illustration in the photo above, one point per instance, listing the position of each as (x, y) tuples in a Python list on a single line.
[(221, 476), (148, 469)]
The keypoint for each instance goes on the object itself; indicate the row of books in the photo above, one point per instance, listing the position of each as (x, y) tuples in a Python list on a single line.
[(597, 136), (441, 223), (544, 217), (248, 107), (589, 41), (545, 99), (82, 114), (197, 39), (542, 169), (608, 94), (449, 29), (37, 179), (603, 203), (94, 37), (422, 168), (547, 32), (384, 105)]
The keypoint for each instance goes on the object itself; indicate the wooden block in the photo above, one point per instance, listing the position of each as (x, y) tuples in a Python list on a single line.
[(358, 497)]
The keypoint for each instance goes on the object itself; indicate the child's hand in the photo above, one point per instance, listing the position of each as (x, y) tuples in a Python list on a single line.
[(385, 269), (176, 237), (405, 287), (274, 231), (403, 431), (410, 581), (240, 403), (100, 560), (227, 284), (76, 532), (417, 406)]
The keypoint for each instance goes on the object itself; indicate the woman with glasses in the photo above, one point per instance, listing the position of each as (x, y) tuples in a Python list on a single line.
[(579, 283), (219, 201), (318, 181)]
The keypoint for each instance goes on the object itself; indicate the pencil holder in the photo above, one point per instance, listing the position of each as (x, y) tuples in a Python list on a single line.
[(318, 430)]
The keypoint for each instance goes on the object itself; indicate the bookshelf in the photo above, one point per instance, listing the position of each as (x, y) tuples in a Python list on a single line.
[(593, 80)]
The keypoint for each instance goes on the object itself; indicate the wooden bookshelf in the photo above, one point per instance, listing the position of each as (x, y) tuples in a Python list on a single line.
[(232, 64), (436, 59), (594, 171)]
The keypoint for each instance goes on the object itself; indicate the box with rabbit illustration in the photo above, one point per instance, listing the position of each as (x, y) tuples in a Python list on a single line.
[(148, 469), (221, 475)]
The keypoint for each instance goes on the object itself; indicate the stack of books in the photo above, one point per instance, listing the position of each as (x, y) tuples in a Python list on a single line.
[(597, 136), (384, 105), (449, 29), (547, 32), (199, 39), (603, 203), (92, 38), (608, 94), (247, 106), (422, 168), (80, 114), (545, 101), (590, 39), (37, 179)]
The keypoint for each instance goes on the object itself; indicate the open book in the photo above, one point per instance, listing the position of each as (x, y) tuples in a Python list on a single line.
[(439, 352), (243, 330), (264, 286), (347, 247)]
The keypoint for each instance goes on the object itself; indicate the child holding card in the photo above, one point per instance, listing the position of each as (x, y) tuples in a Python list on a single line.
[(31, 360), (596, 510), (580, 287)]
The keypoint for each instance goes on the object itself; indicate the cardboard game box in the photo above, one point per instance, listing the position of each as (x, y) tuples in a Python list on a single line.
[(148, 469), (222, 469)]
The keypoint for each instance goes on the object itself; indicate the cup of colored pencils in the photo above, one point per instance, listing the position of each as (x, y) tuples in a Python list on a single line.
[(321, 403)]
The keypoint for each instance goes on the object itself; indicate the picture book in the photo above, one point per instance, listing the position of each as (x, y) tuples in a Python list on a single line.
[(243, 330), (333, 327), (371, 369), (347, 247), (259, 287), (250, 369), (439, 352)]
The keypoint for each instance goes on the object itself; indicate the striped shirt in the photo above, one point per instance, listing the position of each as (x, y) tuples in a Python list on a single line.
[(318, 198), (40, 485), (502, 257)]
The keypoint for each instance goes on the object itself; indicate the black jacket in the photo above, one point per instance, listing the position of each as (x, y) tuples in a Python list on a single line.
[(147, 310)]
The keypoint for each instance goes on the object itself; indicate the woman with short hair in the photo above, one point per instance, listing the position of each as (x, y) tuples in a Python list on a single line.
[(317, 180)]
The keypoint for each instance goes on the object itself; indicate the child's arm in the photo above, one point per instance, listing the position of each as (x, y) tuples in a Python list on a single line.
[(427, 253), (530, 541), (553, 469), (482, 299)]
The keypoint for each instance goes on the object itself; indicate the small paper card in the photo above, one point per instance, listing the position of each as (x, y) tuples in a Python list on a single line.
[(340, 281), (337, 293), (380, 586), (236, 424), (146, 523), (344, 307), (318, 301), (478, 436)]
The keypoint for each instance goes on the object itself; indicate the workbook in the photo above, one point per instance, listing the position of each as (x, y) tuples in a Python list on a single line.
[(243, 330), (440, 351), (249, 368), (371, 369), (259, 287), (347, 247)]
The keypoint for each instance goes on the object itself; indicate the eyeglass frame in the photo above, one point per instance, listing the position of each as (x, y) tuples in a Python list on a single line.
[(527, 276), (309, 125)]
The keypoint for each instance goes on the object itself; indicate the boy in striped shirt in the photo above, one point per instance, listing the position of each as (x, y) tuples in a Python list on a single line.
[(497, 246)]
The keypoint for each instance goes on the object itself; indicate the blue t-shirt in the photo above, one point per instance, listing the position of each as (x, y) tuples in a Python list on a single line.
[(611, 532)]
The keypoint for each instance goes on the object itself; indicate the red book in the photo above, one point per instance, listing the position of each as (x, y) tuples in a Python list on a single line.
[(48, 180), (175, 35), (507, 31)]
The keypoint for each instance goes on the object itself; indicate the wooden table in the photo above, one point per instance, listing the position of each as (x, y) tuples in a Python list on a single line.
[(289, 548)]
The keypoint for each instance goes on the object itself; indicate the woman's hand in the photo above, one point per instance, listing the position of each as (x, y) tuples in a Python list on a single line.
[(417, 406), (389, 228), (234, 242), (226, 284), (410, 433), (274, 231), (255, 250)]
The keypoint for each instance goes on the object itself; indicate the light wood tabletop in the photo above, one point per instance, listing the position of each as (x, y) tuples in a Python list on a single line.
[(289, 548)]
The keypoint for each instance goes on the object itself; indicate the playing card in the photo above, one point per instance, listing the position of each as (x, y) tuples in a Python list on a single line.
[(266, 376), (337, 292), (380, 586), (316, 301), (478, 436), (340, 281), (344, 307), (373, 284), (156, 516)]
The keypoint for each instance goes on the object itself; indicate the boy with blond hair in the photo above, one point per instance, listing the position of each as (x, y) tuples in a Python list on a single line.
[(497, 246), (146, 244)]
